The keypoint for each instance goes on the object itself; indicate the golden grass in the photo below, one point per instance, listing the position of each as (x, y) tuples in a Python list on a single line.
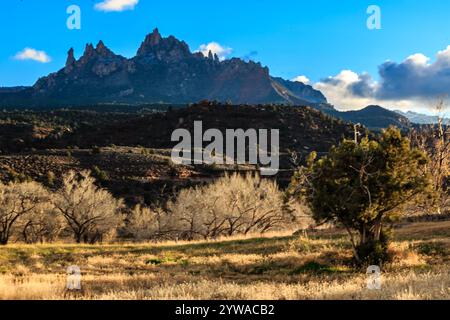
[(276, 266)]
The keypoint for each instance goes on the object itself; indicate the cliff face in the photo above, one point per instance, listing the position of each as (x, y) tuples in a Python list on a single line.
[(164, 70)]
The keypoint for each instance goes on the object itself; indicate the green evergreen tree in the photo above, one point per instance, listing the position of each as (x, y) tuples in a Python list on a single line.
[(363, 186)]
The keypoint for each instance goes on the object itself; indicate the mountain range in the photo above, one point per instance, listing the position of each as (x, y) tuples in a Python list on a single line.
[(165, 71), (420, 118)]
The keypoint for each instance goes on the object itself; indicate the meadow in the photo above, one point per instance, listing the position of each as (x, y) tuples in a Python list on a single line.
[(274, 266)]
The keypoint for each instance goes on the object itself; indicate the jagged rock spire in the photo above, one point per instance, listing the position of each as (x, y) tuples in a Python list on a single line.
[(168, 49), (70, 58), (89, 50), (151, 40), (103, 50), (100, 46), (155, 37), (70, 62), (210, 55)]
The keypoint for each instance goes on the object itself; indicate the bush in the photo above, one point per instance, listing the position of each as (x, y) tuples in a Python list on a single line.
[(17, 201), (100, 174), (144, 223), (363, 187), (231, 205), (90, 212)]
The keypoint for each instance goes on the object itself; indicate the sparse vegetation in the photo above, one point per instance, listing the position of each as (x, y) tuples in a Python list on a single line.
[(145, 228), (275, 266)]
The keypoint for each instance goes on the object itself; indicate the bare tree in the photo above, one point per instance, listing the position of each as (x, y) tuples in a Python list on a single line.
[(16, 201), (435, 141), (43, 225), (231, 205), (145, 223), (194, 214), (89, 211)]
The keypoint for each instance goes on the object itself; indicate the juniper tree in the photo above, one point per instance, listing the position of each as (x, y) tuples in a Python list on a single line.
[(362, 186)]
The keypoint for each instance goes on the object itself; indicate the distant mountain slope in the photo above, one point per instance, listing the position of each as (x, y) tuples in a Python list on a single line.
[(11, 89), (294, 91), (372, 117), (420, 118), (164, 70)]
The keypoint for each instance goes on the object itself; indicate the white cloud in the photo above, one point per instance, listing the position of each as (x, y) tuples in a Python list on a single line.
[(444, 55), (33, 54), (116, 5), (338, 91), (215, 48), (302, 79), (413, 84), (418, 59), (351, 91)]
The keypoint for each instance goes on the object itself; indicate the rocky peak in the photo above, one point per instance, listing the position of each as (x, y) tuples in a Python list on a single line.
[(89, 53), (154, 37), (70, 58), (102, 50), (70, 62), (169, 49), (150, 41), (89, 50)]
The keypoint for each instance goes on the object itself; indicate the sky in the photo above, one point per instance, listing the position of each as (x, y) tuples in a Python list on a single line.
[(325, 43)]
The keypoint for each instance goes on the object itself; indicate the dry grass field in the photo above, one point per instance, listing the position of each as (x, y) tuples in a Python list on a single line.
[(276, 266)]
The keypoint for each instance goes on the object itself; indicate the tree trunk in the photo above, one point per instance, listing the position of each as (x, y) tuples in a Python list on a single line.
[(78, 237), (3, 241), (4, 238), (377, 230)]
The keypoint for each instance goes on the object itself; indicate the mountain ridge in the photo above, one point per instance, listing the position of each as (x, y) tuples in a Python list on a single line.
[(420, 118), (164, 70), (374, 117)]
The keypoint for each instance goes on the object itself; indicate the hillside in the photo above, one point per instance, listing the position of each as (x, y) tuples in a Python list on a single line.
[(373, 117), (131, 151)]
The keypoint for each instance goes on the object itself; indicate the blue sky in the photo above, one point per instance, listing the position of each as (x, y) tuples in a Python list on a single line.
[(316, 39)]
